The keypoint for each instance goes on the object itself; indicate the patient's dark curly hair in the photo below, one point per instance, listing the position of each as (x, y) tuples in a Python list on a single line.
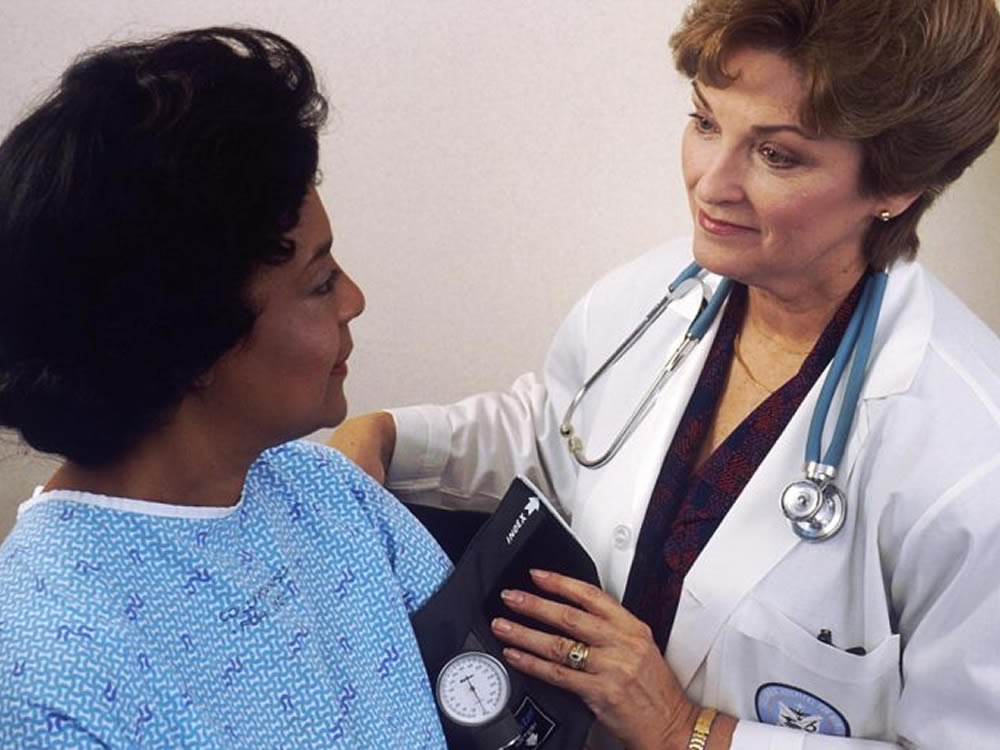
[(136, 203)]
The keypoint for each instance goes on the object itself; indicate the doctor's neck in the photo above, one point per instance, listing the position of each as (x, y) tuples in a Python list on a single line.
[(794, 315)]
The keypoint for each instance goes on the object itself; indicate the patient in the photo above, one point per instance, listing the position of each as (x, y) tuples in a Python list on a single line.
[(171, 316)]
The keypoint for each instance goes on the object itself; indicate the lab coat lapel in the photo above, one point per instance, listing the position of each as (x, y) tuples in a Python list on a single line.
[(754, 536), (620, 491), (901, 340)]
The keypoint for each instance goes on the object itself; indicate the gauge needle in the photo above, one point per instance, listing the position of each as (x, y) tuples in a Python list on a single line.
[(468, 681), (477, 699)]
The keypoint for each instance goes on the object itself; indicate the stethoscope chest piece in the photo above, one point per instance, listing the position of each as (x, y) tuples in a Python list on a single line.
[(815, 508)]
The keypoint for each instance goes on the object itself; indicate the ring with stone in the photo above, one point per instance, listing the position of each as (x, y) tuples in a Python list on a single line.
[(576, 657)]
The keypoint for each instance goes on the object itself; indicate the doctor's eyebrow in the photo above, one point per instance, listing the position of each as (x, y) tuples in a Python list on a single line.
[(758, 129)]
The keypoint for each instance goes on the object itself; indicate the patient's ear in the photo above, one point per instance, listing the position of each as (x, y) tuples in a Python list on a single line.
[(207, 379), (204, 381)]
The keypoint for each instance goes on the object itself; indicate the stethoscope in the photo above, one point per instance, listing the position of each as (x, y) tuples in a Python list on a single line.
[(814, 505)]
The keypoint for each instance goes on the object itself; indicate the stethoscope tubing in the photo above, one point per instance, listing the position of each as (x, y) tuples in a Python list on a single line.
[(857, 341), (678, 288), (871, 303)]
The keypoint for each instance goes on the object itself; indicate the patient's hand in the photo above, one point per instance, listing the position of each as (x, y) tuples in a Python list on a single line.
[(367, 440)]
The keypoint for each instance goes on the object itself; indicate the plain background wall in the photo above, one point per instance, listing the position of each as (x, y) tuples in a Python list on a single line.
[(487, 160)]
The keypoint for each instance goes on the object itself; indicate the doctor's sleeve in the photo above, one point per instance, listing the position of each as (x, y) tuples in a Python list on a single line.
[(464, 455), (946, 590)]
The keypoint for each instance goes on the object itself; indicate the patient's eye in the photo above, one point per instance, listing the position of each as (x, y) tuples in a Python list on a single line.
[(328, 283)]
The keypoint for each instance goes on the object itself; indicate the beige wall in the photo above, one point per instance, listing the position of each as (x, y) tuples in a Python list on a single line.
[(488, 160)]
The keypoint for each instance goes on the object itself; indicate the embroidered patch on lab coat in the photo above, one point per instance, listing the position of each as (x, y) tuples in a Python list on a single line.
[(787, 706)]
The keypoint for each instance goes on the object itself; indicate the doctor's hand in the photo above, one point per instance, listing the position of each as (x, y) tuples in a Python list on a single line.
[(368, 441), (624, 678)]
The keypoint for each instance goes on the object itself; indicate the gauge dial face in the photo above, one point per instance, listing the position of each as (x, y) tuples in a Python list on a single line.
[(473, 688)]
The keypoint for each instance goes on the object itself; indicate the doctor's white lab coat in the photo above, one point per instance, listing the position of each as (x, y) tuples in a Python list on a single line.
[(913, 578)]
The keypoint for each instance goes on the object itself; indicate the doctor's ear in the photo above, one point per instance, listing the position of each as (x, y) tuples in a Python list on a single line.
[(891, 206)]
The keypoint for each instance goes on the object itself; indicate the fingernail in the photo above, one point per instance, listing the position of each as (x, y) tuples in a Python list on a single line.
[(501, 625), (515, 597), (535, 573), (511, 654)]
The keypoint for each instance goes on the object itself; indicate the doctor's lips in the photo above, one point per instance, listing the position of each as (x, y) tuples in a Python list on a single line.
[(720, 228)]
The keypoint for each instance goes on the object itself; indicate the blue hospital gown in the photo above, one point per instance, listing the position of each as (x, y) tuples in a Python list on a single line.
[(282, 622)]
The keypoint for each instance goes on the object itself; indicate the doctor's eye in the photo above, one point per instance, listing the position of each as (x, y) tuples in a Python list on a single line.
[(702, 124), (776, 157)]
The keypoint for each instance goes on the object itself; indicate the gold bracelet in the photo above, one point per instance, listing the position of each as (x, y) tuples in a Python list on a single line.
[(702, 727)]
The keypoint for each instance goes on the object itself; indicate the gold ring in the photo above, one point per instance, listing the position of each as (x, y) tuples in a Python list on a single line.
[(576, 657)]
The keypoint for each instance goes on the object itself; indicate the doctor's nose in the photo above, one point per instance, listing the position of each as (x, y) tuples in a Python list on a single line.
[(721, 179)]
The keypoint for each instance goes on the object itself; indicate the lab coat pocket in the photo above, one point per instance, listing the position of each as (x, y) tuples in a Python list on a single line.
[(776, 671)]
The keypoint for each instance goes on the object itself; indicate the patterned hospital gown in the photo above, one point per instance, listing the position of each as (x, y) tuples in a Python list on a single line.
[(279, 623)]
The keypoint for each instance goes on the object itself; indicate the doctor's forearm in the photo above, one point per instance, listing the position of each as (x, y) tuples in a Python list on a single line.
[(718, 735), (687, 733), (721, 736)]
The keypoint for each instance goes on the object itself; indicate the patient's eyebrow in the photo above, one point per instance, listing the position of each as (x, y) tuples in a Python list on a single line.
[(322, 250)]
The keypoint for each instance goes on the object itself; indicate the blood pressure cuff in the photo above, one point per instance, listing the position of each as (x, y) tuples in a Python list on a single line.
[(525, 532)]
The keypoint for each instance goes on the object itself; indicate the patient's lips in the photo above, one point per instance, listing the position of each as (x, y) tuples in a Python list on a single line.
[(341, 367)]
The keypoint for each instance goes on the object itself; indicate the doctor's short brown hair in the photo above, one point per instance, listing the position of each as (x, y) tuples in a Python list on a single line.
[(915, 82)]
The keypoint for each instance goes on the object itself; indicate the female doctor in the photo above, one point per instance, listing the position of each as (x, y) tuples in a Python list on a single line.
[(803, 518)]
